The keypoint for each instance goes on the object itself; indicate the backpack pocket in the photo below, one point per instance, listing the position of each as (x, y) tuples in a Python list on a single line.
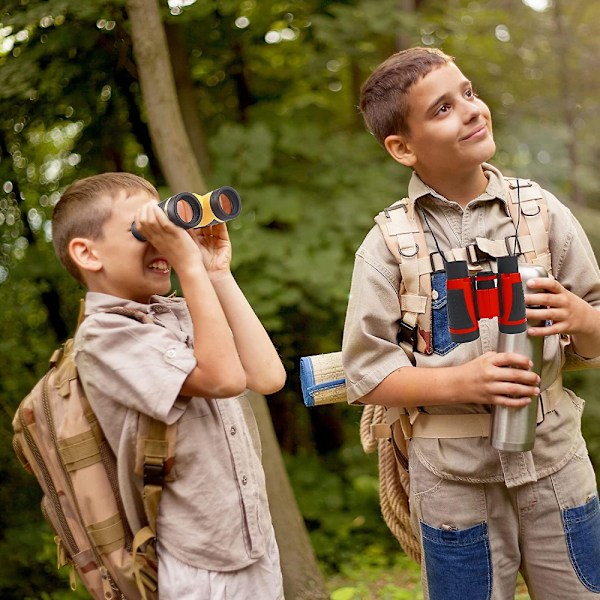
[(441, 341)]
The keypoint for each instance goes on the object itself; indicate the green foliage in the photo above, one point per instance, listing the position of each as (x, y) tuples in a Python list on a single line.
[(339, 499), (31, 573), (276, 85)]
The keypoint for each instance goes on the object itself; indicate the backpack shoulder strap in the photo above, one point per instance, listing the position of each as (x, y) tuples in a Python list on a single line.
[(404, 236), (155, 449), (529, 212)]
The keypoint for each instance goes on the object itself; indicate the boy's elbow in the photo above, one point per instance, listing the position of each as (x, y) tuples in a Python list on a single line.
[(268, 383), (232, 384), (221, 383)]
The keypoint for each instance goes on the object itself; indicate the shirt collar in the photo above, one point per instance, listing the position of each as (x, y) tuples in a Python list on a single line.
[(99, 302), (495, 188)]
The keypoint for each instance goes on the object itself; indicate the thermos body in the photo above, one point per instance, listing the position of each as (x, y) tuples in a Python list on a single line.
[(513, 429)]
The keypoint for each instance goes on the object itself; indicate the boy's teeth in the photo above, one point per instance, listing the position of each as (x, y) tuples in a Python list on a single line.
[(159, 265)]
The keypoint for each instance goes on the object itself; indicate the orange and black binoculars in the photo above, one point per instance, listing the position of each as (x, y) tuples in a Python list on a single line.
[(484, 295), (191, 211)]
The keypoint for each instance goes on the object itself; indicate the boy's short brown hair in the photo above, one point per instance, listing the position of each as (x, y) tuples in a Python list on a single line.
[(85, 206), (383, 96)]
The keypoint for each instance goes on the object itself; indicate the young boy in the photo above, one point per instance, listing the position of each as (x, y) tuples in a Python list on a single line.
[(215, 537), (482, 515)]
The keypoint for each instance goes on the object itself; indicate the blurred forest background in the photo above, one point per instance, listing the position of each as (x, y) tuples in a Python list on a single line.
[(268, 92)]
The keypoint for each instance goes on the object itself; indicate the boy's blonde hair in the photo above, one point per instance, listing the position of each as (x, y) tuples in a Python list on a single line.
[(85, 206), (384, 95)]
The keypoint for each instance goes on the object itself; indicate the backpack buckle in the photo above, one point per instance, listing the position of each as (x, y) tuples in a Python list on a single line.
[(153, 474), (386, 211), (476, 255), (408, 334), (436, 260)]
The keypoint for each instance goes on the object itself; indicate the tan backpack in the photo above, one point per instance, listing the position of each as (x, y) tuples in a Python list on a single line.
[(389, 431), (57, 438)]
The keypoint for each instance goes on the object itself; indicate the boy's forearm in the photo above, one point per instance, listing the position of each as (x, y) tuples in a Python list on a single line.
[(262, 365), (218, 363), (491, 378), (417, 386)]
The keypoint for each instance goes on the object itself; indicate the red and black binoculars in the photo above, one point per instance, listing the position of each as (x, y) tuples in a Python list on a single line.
[(484, 295)]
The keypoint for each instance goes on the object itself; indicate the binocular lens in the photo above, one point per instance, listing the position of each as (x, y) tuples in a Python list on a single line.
[(182, 209), (225, 204), (185, 212)]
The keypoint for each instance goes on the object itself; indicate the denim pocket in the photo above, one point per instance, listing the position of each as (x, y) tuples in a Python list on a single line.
[(582, 530), (458, 562), (442, 343)]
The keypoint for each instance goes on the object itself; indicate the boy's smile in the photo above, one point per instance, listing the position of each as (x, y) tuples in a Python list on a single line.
[(450, 129)]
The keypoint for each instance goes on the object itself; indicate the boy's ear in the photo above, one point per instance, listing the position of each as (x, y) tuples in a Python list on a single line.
[(83, 254), (400, 150)]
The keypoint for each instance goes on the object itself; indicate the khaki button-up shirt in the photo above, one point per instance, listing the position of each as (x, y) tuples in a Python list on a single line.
[(370, 351), (214, 515)]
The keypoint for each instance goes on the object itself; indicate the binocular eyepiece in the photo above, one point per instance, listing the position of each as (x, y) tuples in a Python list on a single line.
[(484, 296), (191, 211)]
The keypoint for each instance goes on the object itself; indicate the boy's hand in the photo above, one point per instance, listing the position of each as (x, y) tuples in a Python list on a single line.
[(171, 241), (568, 313), (215, 247), (497, 378)]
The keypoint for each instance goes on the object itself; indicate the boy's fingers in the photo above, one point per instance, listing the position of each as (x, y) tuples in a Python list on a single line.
[(510, 359), (519, 377), (512, 402), (544, 283)]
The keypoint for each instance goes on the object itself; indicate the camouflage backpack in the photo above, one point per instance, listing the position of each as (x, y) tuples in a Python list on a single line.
[(58, 439)]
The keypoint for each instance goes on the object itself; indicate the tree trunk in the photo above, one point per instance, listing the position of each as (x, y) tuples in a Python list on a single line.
[(404, 39), (302, 579), (170, 139), (301, 575), (186, 96), (568, 102)]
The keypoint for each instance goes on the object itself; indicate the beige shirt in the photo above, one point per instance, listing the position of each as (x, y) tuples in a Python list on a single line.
[(370, 352), (214, 515)]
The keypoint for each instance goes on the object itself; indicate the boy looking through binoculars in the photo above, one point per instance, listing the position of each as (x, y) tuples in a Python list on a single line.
[(191, 366)]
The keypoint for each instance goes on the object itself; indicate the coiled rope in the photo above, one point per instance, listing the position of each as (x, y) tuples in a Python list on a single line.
[(394, 484)]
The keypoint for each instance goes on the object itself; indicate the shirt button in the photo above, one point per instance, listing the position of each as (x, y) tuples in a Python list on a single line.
[(233, 430), (171, 353), (434, 294), (244, 480)]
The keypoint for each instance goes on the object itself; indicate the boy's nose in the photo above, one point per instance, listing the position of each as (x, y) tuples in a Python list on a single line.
[(471, 110)]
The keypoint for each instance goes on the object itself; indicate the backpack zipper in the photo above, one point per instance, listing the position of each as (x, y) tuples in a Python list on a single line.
[(50, 489)]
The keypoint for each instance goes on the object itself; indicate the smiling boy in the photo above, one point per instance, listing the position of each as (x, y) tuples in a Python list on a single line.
[(482, 515), (189, 367)]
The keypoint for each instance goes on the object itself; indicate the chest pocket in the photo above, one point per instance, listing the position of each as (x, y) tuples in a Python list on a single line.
[(442, 343)]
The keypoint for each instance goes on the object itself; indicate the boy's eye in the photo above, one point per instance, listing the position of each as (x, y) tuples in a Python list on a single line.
[(444, 108)]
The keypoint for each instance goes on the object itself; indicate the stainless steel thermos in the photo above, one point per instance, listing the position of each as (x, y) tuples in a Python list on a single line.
[(513, 429)]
